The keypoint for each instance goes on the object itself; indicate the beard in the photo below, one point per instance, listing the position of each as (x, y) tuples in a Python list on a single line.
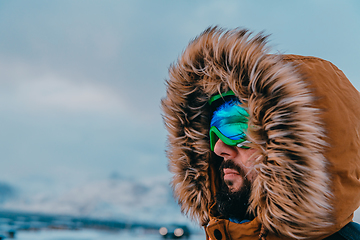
[(234, 204)]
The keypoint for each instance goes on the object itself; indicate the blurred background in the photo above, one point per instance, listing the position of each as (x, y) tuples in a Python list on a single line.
[(81, 132)]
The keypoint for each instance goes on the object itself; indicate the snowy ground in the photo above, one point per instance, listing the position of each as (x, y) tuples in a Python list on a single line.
[(92, 235), (115, 199)]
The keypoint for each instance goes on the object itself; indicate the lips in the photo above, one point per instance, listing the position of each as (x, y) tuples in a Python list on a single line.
[(229, 173)]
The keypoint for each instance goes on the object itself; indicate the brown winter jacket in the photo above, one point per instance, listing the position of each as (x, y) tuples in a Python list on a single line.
[(305, 122)]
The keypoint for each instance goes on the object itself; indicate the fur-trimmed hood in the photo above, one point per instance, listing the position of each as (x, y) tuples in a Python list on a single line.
[(305, 122)]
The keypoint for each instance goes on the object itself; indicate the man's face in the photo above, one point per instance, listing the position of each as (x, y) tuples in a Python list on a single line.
[(237, 174), (229, 123), (237, 166)]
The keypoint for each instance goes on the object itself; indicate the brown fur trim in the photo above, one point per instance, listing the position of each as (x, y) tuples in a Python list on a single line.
[(290, 195)]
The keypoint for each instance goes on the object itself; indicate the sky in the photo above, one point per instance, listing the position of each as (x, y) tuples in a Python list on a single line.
[(81, 81)]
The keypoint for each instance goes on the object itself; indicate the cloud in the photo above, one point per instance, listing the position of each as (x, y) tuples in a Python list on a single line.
[(52, 92), (25, 86)]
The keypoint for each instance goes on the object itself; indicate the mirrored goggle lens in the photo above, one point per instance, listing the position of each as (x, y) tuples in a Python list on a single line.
[(229, 123), (232, 131)]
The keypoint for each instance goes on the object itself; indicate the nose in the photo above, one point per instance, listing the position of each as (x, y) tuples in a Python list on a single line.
[(225, 151)]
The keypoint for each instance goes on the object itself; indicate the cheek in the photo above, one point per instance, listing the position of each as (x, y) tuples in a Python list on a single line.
[(247, 161), (251, 151), (252, 173), (248, 156)]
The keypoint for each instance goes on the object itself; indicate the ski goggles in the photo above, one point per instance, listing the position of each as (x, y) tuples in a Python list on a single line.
[(229, 121)]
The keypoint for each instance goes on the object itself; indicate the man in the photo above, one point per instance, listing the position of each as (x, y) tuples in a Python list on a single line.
[(262, 146)]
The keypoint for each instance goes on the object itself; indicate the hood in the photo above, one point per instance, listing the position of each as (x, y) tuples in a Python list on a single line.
[(305, 122)]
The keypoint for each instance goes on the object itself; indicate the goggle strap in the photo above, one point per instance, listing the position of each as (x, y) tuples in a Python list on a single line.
[(216, 97), (241, 145)]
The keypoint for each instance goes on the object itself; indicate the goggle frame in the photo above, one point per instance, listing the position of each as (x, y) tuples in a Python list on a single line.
[(215, 133)]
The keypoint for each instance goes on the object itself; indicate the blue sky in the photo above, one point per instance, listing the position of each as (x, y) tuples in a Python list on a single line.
[(81, 81)]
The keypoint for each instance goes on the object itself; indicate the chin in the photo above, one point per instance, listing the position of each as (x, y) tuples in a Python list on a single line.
[(234, 190), (233, 200), (234, 186)]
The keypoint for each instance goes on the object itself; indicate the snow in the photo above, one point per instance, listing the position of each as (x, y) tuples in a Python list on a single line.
[(115, 199), (93, 235)]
